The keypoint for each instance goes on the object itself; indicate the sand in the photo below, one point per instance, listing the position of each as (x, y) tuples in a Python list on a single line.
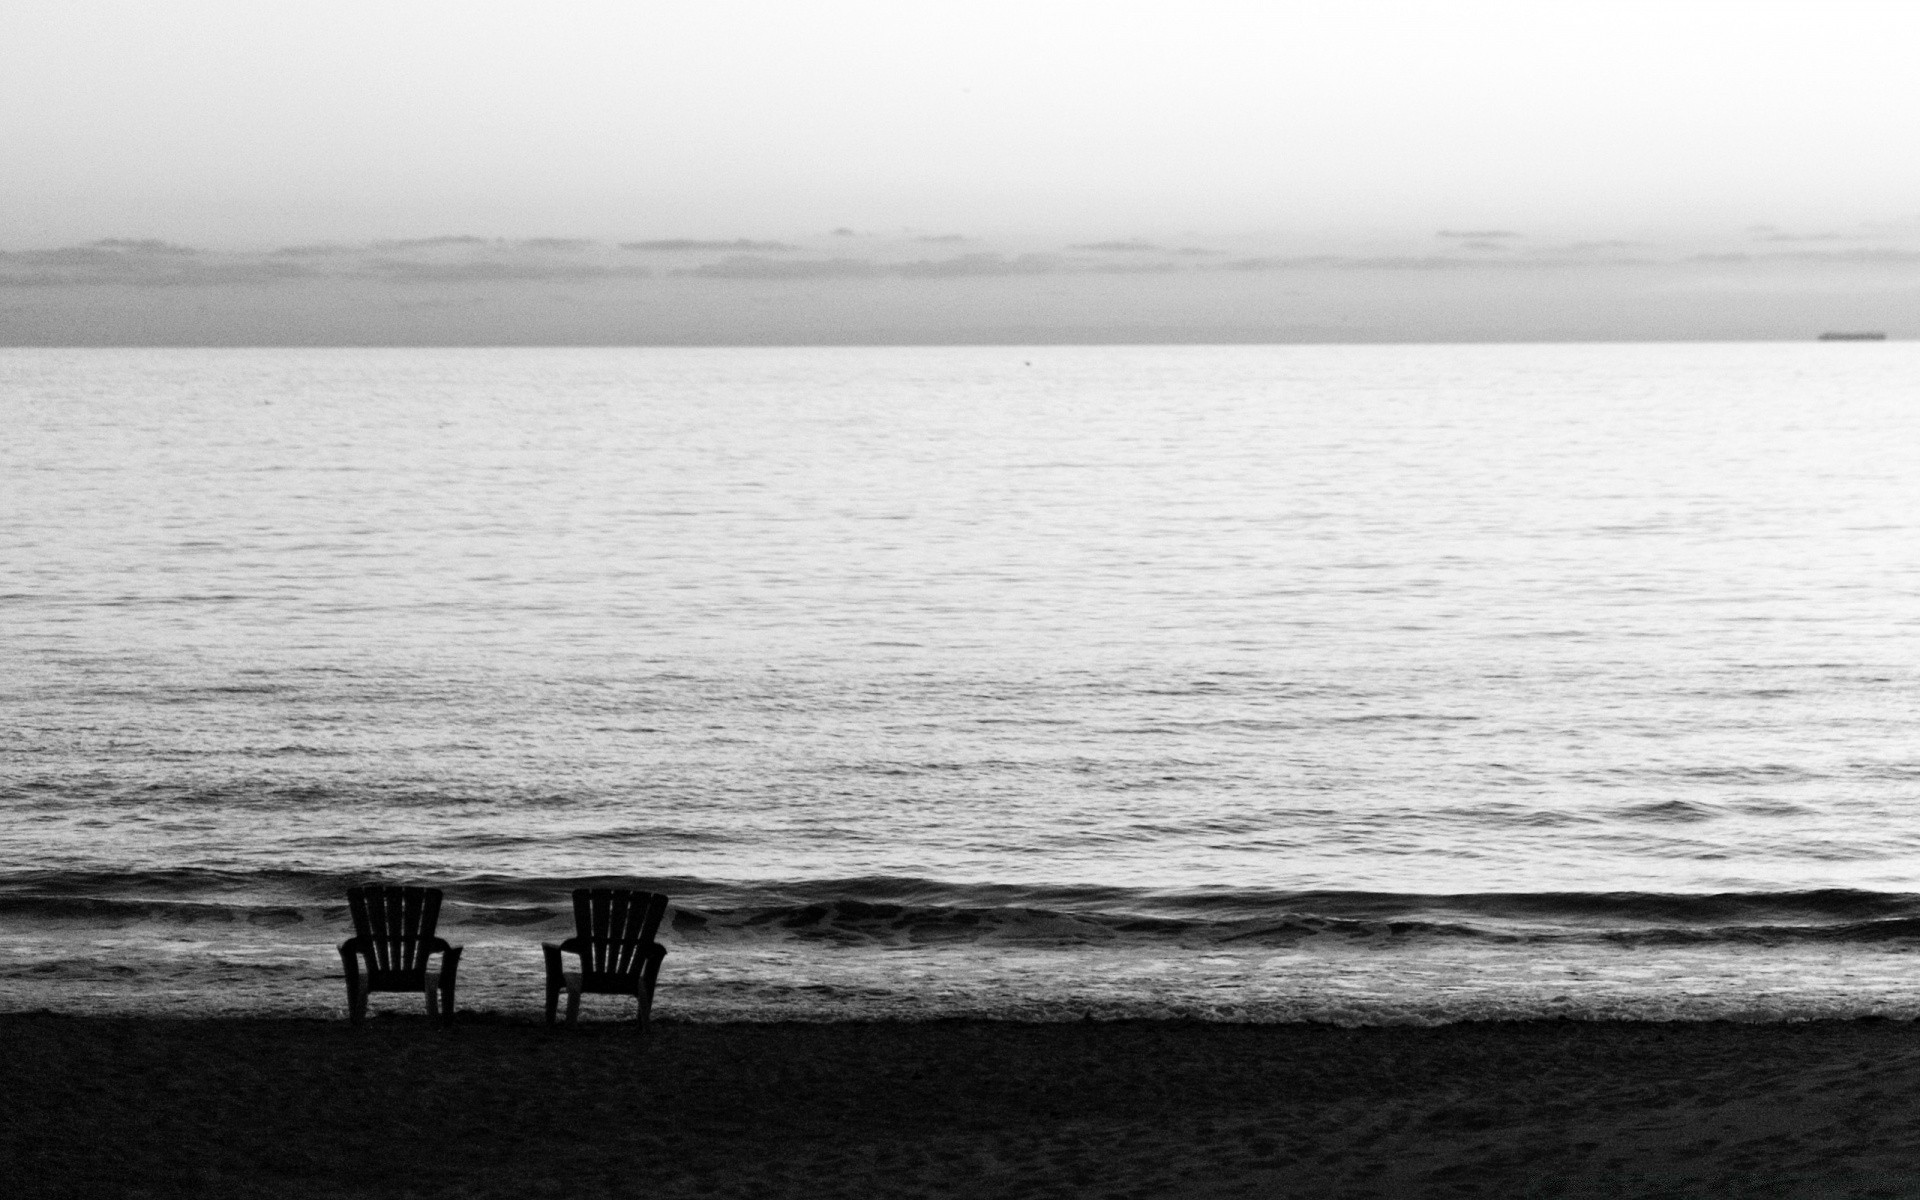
[(219, 1108)]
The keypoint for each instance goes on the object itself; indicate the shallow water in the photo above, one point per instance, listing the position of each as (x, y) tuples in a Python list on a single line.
[(1038, 646)]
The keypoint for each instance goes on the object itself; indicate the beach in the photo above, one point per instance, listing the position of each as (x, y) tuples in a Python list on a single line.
[(492, 1107)]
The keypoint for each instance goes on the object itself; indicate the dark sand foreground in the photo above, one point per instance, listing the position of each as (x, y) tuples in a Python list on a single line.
[(99, 1107)]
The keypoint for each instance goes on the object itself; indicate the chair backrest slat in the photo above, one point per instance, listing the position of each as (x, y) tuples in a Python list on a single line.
[(627, 923), (395, 925), (614, 928)]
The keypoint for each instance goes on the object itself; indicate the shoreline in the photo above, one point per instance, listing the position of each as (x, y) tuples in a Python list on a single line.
[(498, 1106)]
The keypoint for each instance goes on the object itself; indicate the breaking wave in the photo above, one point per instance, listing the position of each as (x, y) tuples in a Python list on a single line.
[(883, 910)]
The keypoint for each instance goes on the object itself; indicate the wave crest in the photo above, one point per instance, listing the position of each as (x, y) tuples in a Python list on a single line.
[(900, 910)]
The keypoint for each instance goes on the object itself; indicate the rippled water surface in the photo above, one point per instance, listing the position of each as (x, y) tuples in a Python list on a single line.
[(1046, 642)]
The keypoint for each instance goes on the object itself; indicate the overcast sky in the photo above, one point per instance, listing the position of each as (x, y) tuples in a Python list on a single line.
[(250, 123)]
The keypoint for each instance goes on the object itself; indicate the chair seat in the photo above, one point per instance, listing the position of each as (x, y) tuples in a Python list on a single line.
[(401, 981), (597, 983)]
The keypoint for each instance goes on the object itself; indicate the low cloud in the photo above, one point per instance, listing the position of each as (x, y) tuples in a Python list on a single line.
[(980, 264), (496, 271), (959, 267), (507, 272), (132, 262), (316, 250), (1377, 262), (1610, 246), (748, 266), (151, 246), (126, 262), (424, 243), (1866, 255), (676, 244)]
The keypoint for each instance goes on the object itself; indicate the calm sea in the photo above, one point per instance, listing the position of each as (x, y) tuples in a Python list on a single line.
[(1360, 683)]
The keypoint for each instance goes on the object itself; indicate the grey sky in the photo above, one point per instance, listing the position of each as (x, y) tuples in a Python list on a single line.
[(257, 122), (1140, 164)]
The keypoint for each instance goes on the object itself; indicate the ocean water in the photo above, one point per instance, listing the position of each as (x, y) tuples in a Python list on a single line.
[(1348, 683)]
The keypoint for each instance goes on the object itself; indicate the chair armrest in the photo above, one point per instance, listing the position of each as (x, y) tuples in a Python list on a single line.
[(350, 966), (650, 969)]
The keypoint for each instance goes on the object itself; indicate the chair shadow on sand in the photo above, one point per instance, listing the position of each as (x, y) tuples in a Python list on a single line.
[(394, 933)]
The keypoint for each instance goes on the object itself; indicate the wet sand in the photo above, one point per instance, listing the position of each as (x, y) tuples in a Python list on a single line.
[(218, 1108)]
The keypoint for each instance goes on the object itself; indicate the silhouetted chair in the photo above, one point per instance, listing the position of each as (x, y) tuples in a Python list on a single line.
[(393, 930), (613, 936)]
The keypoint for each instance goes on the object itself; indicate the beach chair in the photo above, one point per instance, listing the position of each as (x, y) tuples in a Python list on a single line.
[(393, 931), (613, 936)]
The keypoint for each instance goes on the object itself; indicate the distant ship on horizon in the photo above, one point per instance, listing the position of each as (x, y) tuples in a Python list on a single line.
[(1853, 337)]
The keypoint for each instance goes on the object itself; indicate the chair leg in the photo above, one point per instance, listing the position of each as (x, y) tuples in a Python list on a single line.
[(356, 999), (573, 1005), (449, 977), (433, 999), (649, 976), (556, 978)]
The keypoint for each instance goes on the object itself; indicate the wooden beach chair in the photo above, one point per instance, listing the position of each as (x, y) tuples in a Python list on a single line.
[(613, 936), (393, 931)]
